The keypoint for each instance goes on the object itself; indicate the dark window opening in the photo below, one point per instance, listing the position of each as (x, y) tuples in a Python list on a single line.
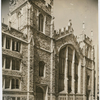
[(13, 98), (15, 84), (41, 22), (7, 83), (7, 43), (62, 57), (88, 80), (15, 64), (18, 98), (13, 45), (76, 73), (16, 46), (41, 68), (7, 63)]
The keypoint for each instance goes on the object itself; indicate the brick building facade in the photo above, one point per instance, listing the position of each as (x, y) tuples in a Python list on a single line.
[(40, 63)]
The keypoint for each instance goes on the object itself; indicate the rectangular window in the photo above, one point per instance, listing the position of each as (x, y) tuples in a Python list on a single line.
[(13, 98), (7, 43), (41, 68), (15, 64), (16, 46), (7, 63), (7, 83), (13, 84), (17, 84), (18, 98), (3, 98), (13, 45)]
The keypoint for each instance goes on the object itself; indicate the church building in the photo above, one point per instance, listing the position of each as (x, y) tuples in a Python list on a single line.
[(41, 63)]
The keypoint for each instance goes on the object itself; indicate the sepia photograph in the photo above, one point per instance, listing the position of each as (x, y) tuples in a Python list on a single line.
[(50, 50)]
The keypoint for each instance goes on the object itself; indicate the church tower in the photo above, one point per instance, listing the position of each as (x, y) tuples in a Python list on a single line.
[(33, 19)]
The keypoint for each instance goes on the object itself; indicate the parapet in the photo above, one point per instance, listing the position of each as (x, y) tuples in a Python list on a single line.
[(87, 40), (63, 31)]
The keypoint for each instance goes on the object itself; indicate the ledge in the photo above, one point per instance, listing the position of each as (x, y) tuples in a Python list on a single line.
[(14, 54), (48, 51), (14, 37), (11, 73), (13, 92)]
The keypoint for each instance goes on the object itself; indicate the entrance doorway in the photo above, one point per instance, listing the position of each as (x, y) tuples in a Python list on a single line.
[(39, 93)]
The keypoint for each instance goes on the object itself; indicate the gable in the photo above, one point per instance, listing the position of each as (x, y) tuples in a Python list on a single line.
[(69, 39)]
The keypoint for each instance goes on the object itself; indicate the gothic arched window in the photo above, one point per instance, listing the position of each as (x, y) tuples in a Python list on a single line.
[(62, 58), (41, 19), (68, 60)]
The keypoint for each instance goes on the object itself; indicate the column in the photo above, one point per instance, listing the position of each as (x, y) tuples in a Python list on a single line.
[(37, 19), (4, 83), (4, 42), (15, 45), (11, 44), (4, 62), (92, 80), (73, 80), (44, 24), (84, 88), (21, 47), (46, 96), (65, 75), (11, 64), (79, 76), (10, 84)]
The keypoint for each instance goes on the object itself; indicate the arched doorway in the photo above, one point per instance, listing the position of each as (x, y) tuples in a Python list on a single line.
[(39, 93)]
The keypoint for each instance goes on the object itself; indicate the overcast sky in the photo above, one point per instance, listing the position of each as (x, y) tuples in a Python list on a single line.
[(76, 10)]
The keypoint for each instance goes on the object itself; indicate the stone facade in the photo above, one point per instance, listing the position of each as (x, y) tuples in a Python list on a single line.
[(40, 47)]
